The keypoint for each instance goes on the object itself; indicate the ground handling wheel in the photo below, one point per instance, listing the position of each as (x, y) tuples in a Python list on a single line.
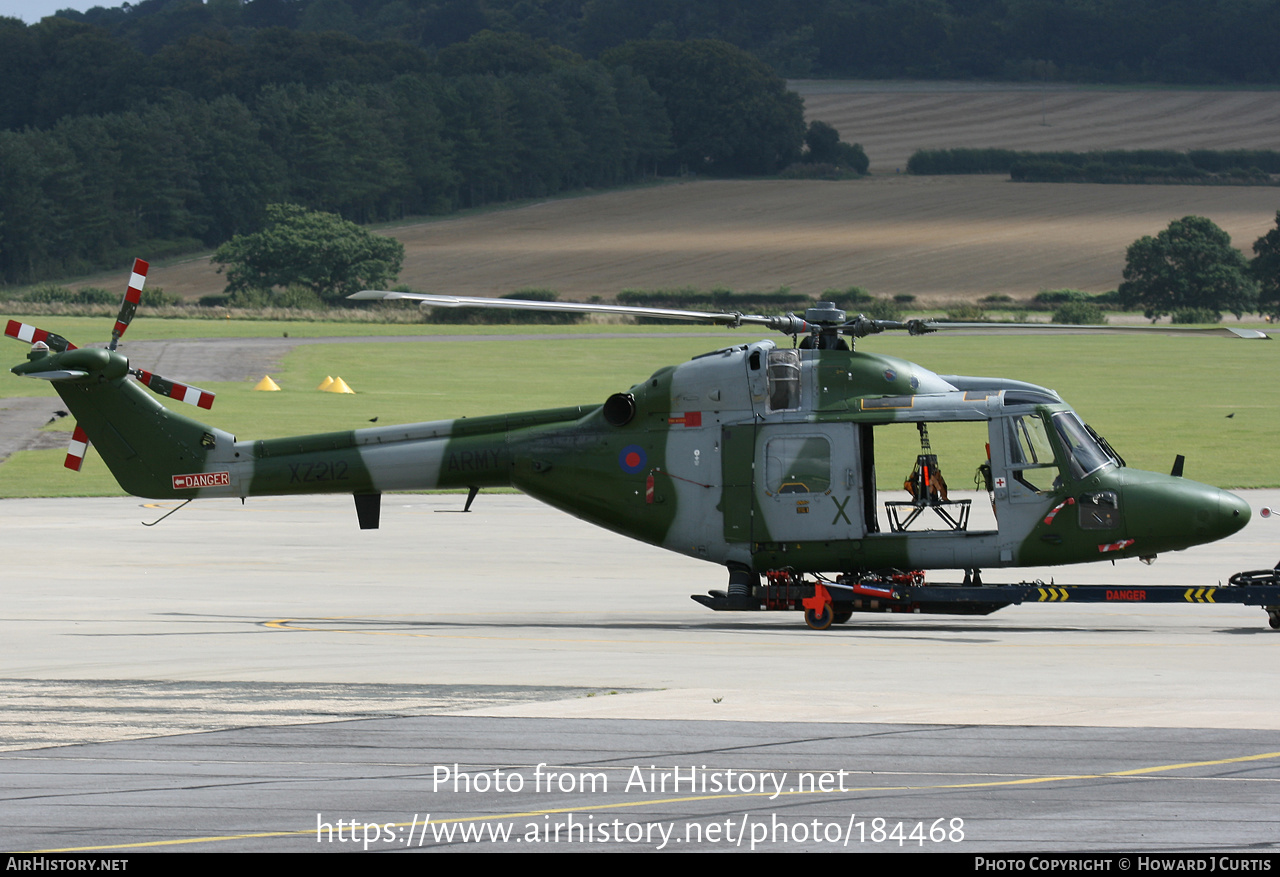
[(842, 615), (819, 619)]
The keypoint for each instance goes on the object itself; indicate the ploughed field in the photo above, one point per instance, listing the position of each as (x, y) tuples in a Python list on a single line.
[(939, 238), (894, 119)]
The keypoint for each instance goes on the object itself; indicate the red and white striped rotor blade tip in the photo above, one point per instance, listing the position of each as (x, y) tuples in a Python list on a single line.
[(174, 390), (132, 296), (79, 447), (32, 335)]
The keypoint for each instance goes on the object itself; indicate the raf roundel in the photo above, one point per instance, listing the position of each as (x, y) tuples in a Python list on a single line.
[(632, 459)]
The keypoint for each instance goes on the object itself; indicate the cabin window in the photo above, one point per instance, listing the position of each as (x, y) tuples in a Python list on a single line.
[(1031, 453), (798, 464), (784, 380)]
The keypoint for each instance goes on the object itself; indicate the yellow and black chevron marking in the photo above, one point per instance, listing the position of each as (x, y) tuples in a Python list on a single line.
[(1199, 595), (1053, 595)]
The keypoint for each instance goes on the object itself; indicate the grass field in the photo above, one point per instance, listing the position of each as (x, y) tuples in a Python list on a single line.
[(1152, 397)]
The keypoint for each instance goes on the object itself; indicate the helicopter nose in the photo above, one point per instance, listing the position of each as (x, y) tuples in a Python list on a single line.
[(1169, 514), (1233, 513)]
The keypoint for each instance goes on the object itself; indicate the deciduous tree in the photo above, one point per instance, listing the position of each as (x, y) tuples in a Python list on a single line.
[(320, 251), (1265, 269), (825, 147), (1189, 265)]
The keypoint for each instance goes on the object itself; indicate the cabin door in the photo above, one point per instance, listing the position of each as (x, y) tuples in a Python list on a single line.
[(807, 483)]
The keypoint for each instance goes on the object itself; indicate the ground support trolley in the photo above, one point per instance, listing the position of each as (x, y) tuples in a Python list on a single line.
[(833, 601)]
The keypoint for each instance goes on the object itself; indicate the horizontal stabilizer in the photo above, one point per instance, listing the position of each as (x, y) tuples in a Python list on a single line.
[(63, 374)]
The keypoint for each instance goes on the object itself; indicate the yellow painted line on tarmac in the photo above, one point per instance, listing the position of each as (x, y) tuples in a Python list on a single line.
[(1025, 781)]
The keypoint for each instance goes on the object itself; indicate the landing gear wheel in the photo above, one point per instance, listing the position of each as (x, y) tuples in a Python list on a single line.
[(819, 620), (842, 616)]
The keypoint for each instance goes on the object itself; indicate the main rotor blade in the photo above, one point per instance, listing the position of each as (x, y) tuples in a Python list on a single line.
[(132, 296), (789, 324), (1070, 329), (174, 390), (30, 334)]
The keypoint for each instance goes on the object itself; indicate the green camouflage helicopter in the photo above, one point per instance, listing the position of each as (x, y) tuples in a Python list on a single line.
[(757, 457)]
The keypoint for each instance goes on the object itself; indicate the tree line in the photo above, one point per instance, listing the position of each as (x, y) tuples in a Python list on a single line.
[(515, 118), (179, 173), (1109, 165), (1190, 41)]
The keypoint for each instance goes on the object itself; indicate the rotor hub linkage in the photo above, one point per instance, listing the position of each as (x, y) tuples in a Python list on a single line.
[(825, 323)]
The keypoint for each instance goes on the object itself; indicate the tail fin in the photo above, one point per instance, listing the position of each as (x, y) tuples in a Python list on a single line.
[(147, 447)]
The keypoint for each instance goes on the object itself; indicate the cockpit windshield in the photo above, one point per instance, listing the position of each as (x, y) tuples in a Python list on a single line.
[(1085, 454)]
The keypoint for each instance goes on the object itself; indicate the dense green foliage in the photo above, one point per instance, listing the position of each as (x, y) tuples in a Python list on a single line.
[(506, 316), (962, 161), (110, 151), (1246, 166), (718, 300), (1102, 40), (730, 113), (318, 251), (1265, 269), (1195, 316), (51, 293), (184, 172), (824, 146), (1055, 297), (782, 301), (1190, 266), (1079, 313)]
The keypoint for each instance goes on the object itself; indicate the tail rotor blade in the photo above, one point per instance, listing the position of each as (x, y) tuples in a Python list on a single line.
[(32, 335), (79, 447), (174, 390), (132, 296)]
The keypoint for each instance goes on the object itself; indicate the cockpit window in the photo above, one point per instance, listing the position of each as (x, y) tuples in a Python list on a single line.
[(1030, 441), (1085, 455), (784, 380)]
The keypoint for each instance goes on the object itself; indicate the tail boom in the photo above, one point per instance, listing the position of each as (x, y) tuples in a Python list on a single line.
[(157, 453)]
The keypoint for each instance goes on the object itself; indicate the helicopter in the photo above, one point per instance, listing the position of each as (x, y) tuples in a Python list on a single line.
[(758, 457)]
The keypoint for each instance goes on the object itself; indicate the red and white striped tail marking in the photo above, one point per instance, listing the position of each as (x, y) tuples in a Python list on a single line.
[(174, 390), (132, 296), (30, 334), (79, 447)]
